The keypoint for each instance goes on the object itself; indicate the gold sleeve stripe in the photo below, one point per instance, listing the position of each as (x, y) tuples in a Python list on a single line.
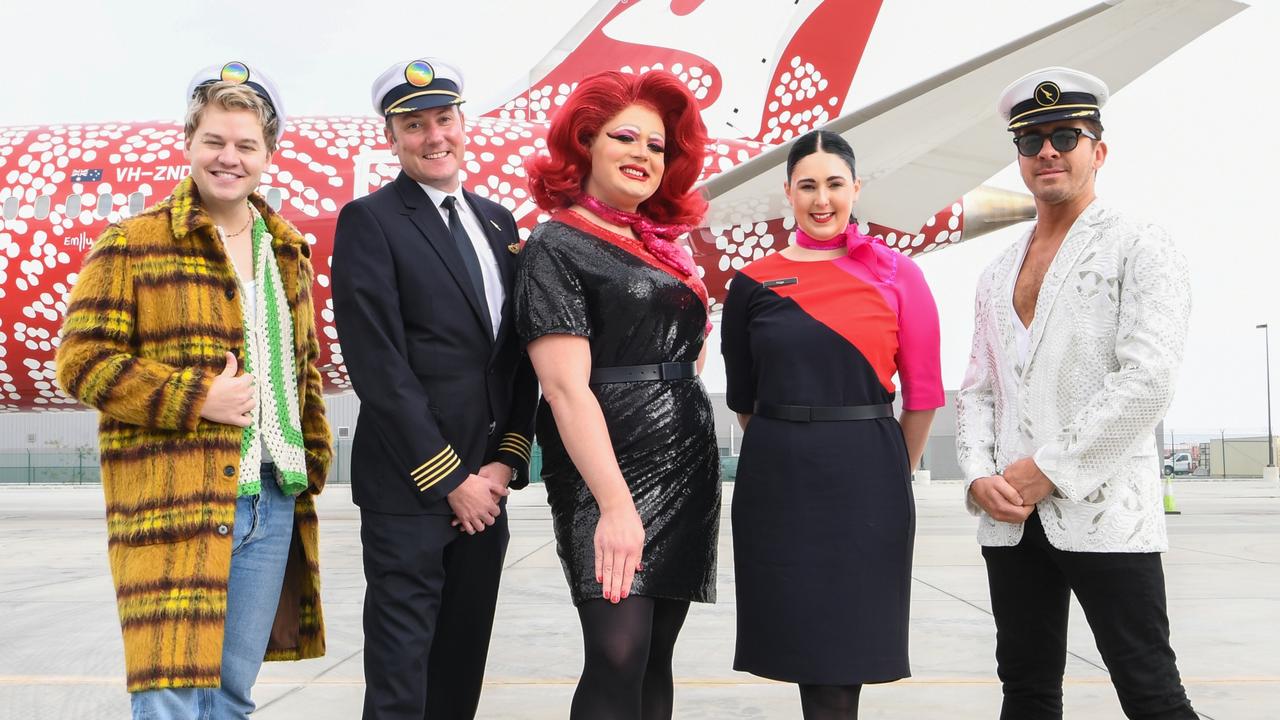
[(448, 450), (435, 469), (426, 481), (522, 454), (517, 439)]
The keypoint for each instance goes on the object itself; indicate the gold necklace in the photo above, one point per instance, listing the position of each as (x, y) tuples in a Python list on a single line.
[(242, 228)]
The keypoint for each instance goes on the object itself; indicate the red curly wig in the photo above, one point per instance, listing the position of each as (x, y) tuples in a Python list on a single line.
[(558, 176)]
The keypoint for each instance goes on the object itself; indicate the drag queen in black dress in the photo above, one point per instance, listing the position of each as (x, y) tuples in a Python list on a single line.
[(823, 515), (614, 315)]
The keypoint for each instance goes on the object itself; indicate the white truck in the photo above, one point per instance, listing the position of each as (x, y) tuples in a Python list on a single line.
[(1179, 464)]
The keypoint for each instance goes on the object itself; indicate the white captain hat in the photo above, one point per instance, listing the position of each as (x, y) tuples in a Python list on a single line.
[(239, 73), (417, 85), (1052, 93)]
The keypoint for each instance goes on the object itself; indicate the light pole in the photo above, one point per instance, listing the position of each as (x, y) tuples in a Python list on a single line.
[(1271, 472)]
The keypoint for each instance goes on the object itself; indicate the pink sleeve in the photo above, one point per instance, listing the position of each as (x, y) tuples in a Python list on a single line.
[(919, 342)]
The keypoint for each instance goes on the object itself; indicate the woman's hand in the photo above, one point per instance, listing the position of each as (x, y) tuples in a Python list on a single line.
[(619, 544)]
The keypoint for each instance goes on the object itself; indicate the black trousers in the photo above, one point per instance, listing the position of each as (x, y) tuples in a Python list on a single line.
[(1123, 598), (428, 613)]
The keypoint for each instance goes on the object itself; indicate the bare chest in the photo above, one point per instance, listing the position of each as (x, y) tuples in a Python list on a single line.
[(1026, 290)]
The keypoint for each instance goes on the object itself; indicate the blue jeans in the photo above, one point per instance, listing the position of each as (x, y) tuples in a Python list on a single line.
[(260, 547)]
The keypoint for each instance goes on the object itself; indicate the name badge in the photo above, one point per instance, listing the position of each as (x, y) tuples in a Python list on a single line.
[(780, 282)]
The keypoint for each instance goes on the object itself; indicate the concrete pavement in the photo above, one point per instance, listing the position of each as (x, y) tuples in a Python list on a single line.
[(61, 657)]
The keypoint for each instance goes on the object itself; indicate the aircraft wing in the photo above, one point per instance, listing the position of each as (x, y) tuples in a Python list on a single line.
[(923, 147)]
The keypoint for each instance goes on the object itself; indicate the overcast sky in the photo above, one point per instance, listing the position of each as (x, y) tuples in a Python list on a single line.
[(1193, 142)]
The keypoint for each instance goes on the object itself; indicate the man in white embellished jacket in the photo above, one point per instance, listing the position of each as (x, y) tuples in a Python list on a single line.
[(1079, 331)]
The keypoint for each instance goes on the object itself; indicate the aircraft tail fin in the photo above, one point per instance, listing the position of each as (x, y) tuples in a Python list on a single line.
[(767, 86)]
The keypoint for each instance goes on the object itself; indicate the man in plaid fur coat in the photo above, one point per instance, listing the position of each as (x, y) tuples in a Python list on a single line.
[(209, 472)]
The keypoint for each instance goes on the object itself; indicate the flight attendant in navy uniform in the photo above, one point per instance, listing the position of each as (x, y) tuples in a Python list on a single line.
[(422, 272)]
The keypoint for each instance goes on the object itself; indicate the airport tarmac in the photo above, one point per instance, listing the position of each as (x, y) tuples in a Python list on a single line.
[(61, 657)]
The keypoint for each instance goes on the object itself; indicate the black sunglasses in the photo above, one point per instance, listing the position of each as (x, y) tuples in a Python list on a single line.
[(1062, 140)]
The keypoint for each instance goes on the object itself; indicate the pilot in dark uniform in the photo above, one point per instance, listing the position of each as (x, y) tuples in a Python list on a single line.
[(422, 273)]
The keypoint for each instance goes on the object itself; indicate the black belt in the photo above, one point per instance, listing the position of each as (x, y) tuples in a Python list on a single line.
[(643, 373), (806, 413)]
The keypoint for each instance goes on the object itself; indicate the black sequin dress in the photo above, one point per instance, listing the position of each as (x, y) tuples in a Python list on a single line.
[(579, 279)]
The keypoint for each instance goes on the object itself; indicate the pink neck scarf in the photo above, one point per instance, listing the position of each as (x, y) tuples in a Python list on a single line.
[(658, 238), (870, 251)]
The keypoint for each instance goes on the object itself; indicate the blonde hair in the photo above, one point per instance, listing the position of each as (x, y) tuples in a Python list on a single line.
[(231, 96)]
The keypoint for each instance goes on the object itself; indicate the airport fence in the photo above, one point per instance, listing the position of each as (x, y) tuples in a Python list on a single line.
[(79, 466)]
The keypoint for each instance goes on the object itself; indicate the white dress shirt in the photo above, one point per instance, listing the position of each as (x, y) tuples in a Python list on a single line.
[(494, 294)]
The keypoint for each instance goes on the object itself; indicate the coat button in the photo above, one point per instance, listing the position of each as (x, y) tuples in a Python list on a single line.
[(222, 530), (228, 471), (231, 294)]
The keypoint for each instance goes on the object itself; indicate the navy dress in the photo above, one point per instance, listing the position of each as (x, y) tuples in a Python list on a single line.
[(579, 279), (823, 513)]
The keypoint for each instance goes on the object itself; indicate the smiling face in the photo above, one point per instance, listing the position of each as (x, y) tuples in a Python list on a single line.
[(628, 158), (822, 191), (1055, 177), (228, 153), (430, 144)]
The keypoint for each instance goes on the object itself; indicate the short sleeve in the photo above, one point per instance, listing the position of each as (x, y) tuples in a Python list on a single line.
[(549, 293), (735, 345), (919, 357)]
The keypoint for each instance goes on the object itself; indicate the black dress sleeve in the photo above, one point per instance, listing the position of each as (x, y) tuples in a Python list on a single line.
[(550, 297), (735, 345)]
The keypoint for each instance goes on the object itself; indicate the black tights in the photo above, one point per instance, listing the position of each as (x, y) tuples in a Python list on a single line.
[(626, 673), (829, 702)]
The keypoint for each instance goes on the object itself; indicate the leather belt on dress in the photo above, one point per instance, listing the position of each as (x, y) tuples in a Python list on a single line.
[(806, 413), (643, 373)]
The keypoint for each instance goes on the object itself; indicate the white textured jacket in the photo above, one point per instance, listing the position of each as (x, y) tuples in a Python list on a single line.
[(1106, 343)]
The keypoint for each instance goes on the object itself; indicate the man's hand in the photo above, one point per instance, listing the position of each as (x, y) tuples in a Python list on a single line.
[(230, 399), (1001, 501), (1025, 477), (475, 503), (500, 474)]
